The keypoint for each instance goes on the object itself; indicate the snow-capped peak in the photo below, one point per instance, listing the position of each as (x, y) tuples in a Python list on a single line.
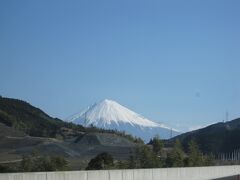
[(109, 114), (109, 111)]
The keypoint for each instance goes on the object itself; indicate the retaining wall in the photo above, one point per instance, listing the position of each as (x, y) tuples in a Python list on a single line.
[(193, 173)]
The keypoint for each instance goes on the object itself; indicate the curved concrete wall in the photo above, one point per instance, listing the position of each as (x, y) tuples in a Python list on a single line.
[(193, 173)]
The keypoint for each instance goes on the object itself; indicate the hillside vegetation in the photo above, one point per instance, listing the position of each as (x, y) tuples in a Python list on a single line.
[(26, 118), (217, 138)]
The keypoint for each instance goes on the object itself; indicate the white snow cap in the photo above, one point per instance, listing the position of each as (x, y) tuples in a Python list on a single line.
[(106, 112)]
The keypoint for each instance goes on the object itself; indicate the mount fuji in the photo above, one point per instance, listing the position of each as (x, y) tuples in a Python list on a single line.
[(108, 114)]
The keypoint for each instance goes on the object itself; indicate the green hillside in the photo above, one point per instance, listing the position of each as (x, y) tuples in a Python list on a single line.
[(31, 120), (220, 137)]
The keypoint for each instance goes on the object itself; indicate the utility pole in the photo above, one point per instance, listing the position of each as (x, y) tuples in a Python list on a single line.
[(85, 118)]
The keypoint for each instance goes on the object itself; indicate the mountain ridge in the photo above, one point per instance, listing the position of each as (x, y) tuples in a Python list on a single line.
[(221, 137)]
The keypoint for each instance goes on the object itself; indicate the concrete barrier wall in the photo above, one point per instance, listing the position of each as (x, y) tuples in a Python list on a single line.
[(193, 173)]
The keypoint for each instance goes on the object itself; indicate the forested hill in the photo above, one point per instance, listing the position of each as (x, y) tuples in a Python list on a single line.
[(216, 138), (31, 120)]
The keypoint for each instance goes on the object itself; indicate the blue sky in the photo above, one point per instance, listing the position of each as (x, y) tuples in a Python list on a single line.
[(175, 62)]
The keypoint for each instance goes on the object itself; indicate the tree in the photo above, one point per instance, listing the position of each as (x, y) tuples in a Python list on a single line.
[(138, 140), (132, 162), (176, 157), (6, 169), (195, 157), (54, 163), (59, 163), (121, 165), (101, 161), (209, 160), (146, 158), (42, 163), (157, 145), (26, 164)]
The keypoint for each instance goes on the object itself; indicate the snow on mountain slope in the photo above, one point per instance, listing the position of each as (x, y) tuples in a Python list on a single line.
[(109, 114)]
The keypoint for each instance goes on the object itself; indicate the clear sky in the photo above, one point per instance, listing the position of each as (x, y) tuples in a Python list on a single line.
[(175, 62)]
